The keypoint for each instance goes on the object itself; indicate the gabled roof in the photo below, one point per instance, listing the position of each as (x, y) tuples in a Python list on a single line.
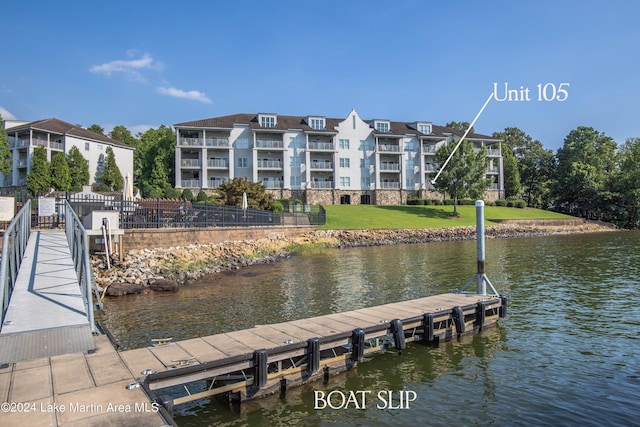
[(284, 123), (54, 125)]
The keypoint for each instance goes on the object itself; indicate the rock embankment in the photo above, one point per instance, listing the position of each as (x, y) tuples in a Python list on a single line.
[(160, 270)]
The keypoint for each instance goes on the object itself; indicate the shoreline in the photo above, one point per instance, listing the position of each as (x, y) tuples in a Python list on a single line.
[(162, 270)]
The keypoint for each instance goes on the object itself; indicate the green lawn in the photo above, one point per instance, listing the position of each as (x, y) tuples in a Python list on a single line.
[(374, 216)]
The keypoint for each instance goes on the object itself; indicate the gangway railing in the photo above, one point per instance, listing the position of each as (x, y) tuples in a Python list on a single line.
[(79, 247), (14, 244)]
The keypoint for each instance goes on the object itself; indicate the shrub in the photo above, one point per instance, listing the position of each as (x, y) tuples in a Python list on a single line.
[(448, 202), (412, 201), (427, 202), (501, 202), (490, 203), (277, 206), (521, 204), (467, 202), (437, 202), (202, 196), (187, 195)]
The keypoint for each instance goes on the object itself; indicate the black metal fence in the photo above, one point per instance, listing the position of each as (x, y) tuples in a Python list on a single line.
[(166, 213)]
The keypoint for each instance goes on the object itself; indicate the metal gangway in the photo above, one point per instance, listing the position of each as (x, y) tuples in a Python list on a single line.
[(47, 290)]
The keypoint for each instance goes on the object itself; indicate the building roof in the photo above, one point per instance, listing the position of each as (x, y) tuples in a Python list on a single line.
[(54, 125), (284, 123)]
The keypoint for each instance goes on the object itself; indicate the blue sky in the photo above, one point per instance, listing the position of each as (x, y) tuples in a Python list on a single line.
[(146, 63)]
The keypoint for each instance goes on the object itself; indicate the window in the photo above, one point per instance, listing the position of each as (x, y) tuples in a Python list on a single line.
[(365, 163), (382, 127), (365, 182), (295, 181), (317, 123), (345, 182), (424, 128), (86, 146), (268, 121), (295, 142), (242, 162), (294, 162), (99, 147), (366, 145), (343, 144), (242, 143), (345, 162)]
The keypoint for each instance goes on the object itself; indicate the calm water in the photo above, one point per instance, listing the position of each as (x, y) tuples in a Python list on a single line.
[(565, 355)]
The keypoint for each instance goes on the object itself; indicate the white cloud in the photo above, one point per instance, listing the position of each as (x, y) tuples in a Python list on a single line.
[(179, 93), (130, 67), (6, 115)]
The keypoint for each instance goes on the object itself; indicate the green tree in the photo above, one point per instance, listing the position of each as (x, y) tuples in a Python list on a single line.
[(111, 175), (78, 169), (122, 134), (512, 186), (465, 174), (626, 184), (97, 129), (40, 176), (461, 126), (154, 161), (5, 153), (60, 173), (257, 196), (585, 162)]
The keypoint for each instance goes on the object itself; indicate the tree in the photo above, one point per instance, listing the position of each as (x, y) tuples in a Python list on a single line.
[(626, 183), (60, 173), (78, 169), (154, 161), (465, 174), (111, 175), (97, 129), (536, 165), (461, 126), (122, 134), (40, 177), (585, 162), (512, 186), (257, 196), (5, 153)]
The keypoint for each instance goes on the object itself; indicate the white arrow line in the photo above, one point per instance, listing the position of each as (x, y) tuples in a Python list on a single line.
[(463, 137)]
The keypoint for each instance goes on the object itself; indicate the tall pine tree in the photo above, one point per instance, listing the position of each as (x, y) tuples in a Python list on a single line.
[(78, 169), (40, 176), (60, 174)]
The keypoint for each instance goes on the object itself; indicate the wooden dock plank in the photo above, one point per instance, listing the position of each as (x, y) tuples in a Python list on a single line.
[(346, 321), (326, 328), (140, 359), (272, 334), (365, 320), (300, 334), (70, 373), (203, 351), (170, 354), (227, 345), (253, 340)]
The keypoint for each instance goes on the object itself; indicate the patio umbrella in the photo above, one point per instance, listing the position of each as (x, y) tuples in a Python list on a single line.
[(244, 201)]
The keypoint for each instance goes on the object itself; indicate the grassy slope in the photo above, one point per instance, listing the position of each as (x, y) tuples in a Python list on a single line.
[(374, 216)]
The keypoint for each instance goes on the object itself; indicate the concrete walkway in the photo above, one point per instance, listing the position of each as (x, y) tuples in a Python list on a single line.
[(46, 314)]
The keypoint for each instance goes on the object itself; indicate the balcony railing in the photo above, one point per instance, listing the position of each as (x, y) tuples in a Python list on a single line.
[(217, 142), (322, 184), (325, 146), (389, 167), (23, 143), (215, 182), (493, 152), (270, 164), (389, 148), (191, 142), (390, 185), (190, 183), (218, 163), (428, 148), (22, 163), (190, 163), (492, 170), (327, 165), (269, 143), (40, 142), (54, 145), (273, 183)]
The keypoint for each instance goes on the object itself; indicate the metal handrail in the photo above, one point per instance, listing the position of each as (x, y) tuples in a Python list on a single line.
[(79, 247), (14, 244)]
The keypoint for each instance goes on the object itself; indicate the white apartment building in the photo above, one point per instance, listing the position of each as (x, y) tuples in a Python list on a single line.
[(321, 160), (58, 136)]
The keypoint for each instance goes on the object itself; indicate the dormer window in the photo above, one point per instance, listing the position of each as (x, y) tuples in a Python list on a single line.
[(316, 123), (267, 120), (382, 126), (424, 128)]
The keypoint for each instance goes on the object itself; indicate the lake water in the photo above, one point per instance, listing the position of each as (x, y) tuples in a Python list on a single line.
[(566, 354)]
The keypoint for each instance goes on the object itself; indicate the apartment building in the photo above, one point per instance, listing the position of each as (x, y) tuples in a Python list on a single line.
[(321, 160), (58, 136)]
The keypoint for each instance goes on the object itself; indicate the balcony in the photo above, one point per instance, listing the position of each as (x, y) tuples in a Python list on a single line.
[(389, 167), (321, 165), (215, 182), (272, 183), (40, 142), (217, 142), (22, 143), (22, 163), (428, 148), (191, 142), (190, 183), (390, 185), (269, 143), (389, 148), (190, 163), (493, 152), (492, 170), (323, 185), (321, 146), (54, 145), (270, 164), (218, 163)]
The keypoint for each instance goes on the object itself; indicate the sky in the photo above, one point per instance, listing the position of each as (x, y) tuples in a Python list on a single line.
[(143, 64)]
